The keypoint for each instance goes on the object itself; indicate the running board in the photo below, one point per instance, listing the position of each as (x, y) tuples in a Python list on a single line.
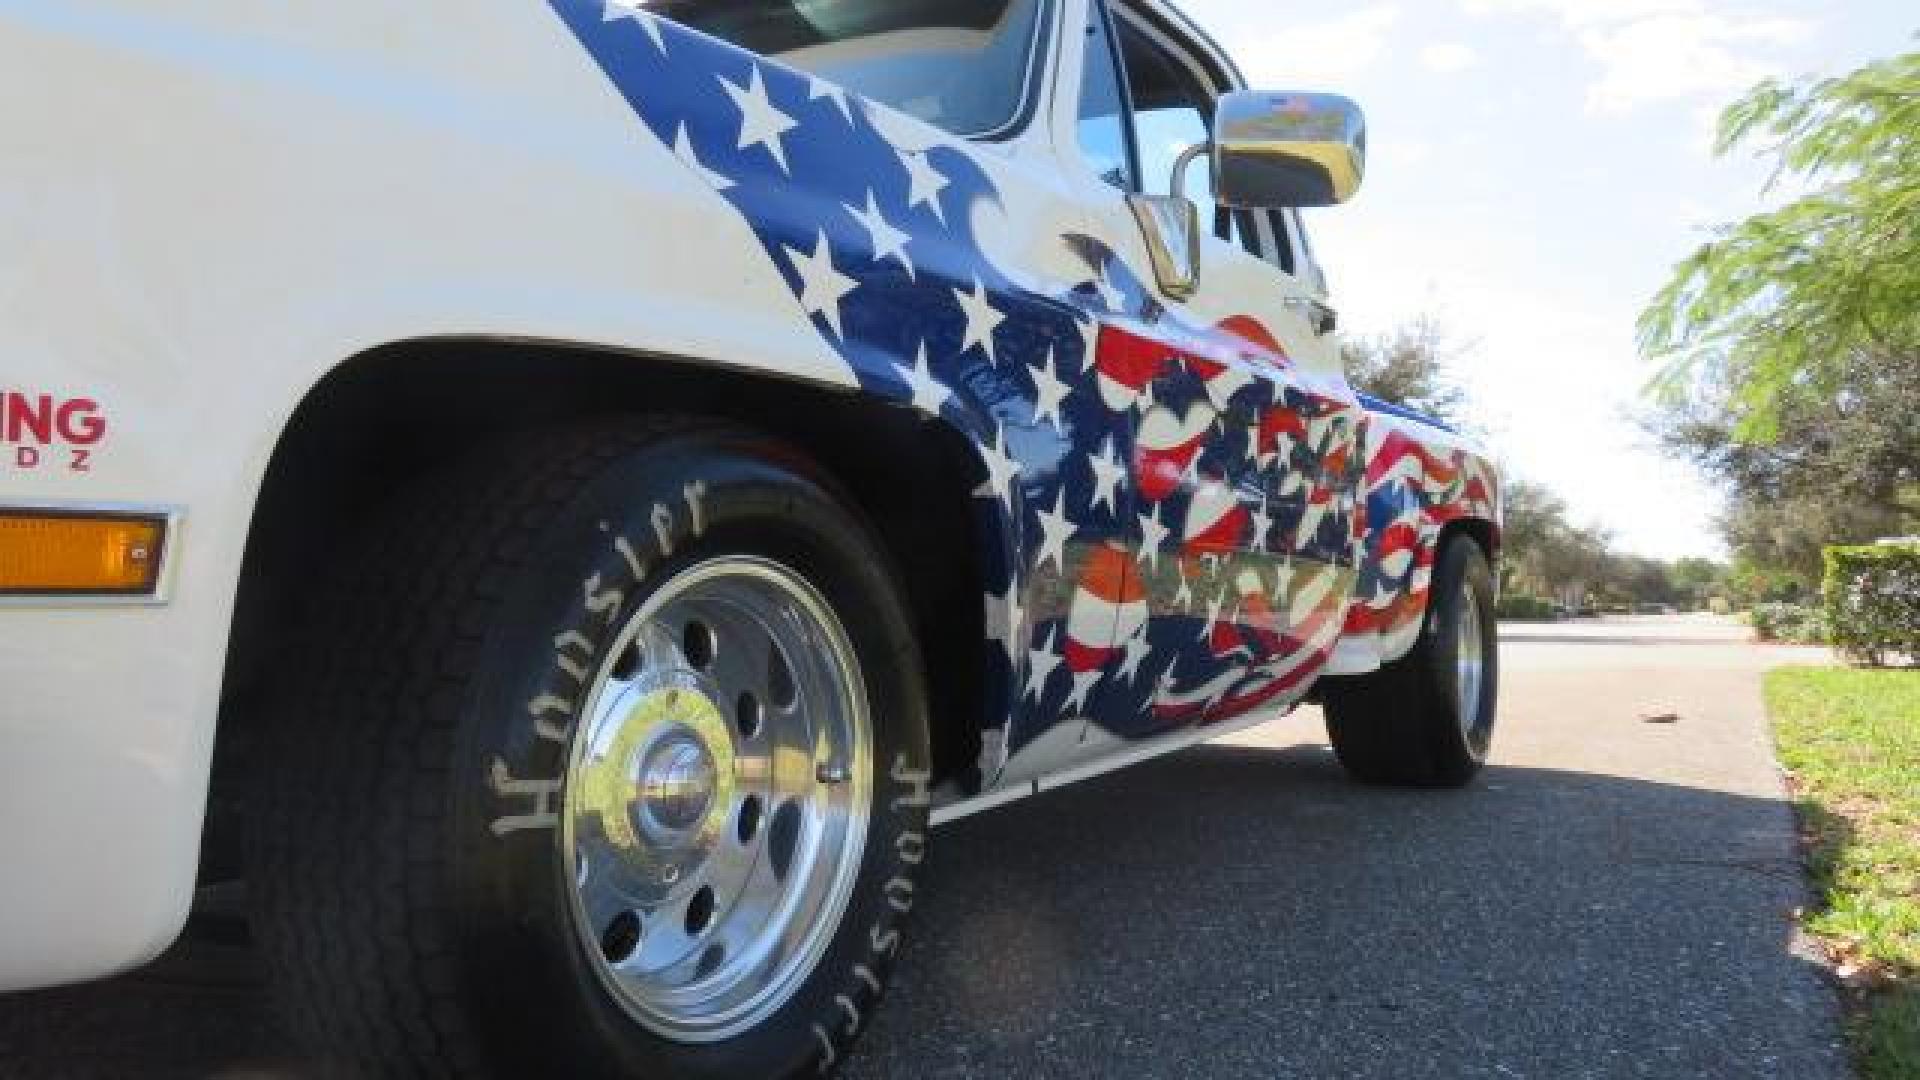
[(1055, 780)]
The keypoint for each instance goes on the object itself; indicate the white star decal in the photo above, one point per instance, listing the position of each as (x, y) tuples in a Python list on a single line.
[(1048, 392), (760, 123), (1001, 470), (822, 90), (982, 319), (821, 286), (887, 241), (1055, 530), (1107, 474), (1183, 597), (683, 149), (1163, 688), (1283, 583), (1041, 663), (1003, 620), (625, 9), (1213, 616), (1090, 339), (1137, 650), (1152, 535), (1282, 447), (929, 393), (1262, 524), (924, 184), (1083, 684)]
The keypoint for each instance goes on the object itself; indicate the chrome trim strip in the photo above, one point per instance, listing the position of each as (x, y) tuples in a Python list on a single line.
[(162, 592), (1053, 781)]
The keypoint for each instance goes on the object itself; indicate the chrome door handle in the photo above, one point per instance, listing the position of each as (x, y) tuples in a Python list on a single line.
[(1322, 318)]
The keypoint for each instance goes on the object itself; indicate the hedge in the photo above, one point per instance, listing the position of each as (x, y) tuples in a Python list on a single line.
[(1872, 598), (1519, 606), (1796, 623)]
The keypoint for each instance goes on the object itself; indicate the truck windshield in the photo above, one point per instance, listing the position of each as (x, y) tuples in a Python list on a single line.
[(958, 64)]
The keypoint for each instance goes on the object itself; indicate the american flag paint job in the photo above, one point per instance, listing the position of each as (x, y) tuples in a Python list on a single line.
[(1416, 485), (1172, 515)]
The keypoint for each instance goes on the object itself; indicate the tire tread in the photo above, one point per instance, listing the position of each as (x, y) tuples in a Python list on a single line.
[(362, 735)]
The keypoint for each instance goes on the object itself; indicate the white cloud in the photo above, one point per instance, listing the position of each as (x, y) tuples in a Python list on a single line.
[(1676, 57), (1313, 55), (1448, 57), (1659, 51)]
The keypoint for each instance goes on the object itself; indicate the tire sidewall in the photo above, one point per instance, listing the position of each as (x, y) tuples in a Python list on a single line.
[(646, 516), (1461, 577)]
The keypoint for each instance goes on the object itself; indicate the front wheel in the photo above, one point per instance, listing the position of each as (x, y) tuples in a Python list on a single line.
[(1427, 718), (607, 757)]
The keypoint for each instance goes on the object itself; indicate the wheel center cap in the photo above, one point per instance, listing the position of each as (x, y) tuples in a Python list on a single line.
[(677, 782)]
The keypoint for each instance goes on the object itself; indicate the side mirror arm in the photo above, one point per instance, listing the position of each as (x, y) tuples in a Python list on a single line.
[(1184, 162)]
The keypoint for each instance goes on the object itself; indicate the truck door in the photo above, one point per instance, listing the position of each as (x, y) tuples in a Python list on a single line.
[(1242, 471)]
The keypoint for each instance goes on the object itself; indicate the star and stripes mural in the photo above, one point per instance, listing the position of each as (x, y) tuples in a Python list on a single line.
[(1172, 516), (1414, 489)]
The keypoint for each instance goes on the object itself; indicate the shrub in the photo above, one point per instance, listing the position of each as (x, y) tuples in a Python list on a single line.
[(1873, 601), (1516, 606), (1795, 623)]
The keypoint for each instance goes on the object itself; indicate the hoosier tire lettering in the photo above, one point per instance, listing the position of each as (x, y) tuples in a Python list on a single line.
[(544, 793), (604, 602)]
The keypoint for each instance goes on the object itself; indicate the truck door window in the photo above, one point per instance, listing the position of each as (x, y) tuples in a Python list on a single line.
[(963, 65), (1105, 138), (1171, 112)]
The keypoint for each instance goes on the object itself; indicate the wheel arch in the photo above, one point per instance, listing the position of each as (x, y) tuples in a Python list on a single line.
[(1482, 531), (384, 418)]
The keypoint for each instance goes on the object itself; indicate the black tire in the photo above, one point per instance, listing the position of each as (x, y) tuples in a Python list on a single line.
[(1403, 724), (409, 933)]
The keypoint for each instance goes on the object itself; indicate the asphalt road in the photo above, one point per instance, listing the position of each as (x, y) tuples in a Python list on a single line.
[(1612, 899)]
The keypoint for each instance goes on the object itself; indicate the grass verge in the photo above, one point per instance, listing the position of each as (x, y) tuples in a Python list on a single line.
[(1851, 742)]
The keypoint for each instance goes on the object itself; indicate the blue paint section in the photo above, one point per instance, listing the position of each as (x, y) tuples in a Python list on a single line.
[(1378, 405)]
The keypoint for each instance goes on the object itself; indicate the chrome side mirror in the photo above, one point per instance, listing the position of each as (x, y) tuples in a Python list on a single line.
[(1277, 150)]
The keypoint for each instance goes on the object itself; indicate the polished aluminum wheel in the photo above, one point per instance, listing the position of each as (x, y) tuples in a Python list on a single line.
[(1469, 665), (717, 799)]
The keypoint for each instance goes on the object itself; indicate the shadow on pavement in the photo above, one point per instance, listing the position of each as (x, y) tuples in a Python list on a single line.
[(1246, 912)]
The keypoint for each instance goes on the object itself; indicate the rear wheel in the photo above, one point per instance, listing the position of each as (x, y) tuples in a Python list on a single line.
[(1427, 718), (606, 757)]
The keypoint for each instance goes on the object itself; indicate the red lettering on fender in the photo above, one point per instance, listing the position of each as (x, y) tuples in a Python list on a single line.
[(34, 423), (79, 422)]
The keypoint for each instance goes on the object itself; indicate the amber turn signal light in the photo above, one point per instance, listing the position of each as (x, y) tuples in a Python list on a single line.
[(79, 553)]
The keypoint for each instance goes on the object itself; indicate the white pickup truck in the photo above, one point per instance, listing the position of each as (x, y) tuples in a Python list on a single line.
[(560, 497)]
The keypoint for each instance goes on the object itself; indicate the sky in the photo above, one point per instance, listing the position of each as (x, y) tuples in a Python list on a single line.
[(1537, 167)]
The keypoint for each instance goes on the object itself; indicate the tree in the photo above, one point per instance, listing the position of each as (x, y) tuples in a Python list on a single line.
[(1790, 343), (1781, 303), (1410, 367), (1840, 468), (1531, 516), (1698, 581)]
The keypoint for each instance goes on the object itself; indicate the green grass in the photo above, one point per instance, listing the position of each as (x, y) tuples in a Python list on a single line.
[(1851, 740)]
